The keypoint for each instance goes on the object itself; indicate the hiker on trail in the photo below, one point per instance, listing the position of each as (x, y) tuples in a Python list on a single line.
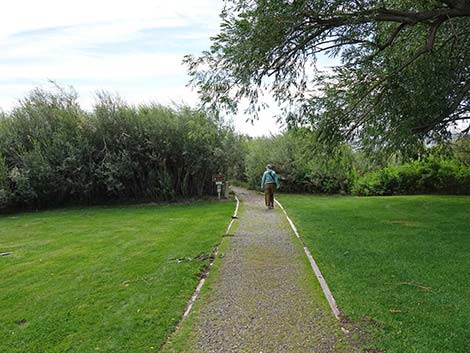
[(269, 182)]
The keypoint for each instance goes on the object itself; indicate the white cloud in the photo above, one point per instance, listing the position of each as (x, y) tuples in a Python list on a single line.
[(98, 45), (26, 15), (119, 67), (63, 40), (266, 125)]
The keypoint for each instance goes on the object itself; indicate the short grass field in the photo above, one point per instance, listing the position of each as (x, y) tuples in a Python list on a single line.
[(397, 265), (102, 279)]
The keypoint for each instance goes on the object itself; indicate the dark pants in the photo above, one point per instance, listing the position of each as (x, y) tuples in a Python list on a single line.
[(269, 194)]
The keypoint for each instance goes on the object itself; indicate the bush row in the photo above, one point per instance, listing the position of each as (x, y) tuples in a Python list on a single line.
[(429, 176), (441, 169), (52, 152), (301, 169)]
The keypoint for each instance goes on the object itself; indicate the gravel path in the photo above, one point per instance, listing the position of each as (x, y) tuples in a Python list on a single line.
[(264, 297)]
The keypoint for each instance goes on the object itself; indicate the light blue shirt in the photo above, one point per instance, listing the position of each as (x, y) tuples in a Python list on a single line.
[(269, 177)]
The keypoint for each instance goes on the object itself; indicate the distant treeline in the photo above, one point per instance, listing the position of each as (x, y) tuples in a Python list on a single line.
[(304, 167), (52, 152)]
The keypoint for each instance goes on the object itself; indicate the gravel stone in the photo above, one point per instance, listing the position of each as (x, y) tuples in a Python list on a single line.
[(261, 300)]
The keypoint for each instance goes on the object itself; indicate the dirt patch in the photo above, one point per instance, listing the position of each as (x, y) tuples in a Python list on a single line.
[(360, 332), (21, 322)]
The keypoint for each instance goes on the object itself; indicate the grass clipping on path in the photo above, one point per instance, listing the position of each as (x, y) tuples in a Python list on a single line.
[(102, 279), (400, 265)]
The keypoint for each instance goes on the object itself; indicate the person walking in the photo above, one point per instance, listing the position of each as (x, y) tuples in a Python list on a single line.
[(269, 183)]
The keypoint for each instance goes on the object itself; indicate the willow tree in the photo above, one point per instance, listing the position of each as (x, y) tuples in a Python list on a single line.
[(403, 72)]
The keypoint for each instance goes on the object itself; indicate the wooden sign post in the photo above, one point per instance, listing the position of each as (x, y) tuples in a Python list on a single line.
[(219, 182)]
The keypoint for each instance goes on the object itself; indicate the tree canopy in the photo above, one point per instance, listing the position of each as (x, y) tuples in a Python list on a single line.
[(403, 76)]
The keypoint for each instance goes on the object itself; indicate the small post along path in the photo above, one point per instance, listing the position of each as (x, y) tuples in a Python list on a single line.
[(265, 296)]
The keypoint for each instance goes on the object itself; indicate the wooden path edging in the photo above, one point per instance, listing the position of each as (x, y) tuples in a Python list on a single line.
[(326, 290), (213, 256)]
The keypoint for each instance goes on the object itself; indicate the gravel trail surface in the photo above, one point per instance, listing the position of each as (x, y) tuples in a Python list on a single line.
[(265, 297)]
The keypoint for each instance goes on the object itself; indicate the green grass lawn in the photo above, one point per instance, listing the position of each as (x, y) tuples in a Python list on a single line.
[(102, 279), (403, 262)]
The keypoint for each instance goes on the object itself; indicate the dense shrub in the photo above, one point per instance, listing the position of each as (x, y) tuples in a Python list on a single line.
[(431, 175), (4, 190), (52, 152), (300, 168), (461, 149)]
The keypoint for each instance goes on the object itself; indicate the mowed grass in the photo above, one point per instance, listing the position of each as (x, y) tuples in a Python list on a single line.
[(102, 279), (399, 265)]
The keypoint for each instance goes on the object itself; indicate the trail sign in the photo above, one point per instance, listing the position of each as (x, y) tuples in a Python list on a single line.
[(219, 181), (218, 177)]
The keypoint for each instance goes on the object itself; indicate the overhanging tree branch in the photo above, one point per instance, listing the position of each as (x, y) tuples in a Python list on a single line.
[(401, 53)]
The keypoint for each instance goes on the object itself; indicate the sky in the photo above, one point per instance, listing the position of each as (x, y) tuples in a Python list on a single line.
[(132, 48)]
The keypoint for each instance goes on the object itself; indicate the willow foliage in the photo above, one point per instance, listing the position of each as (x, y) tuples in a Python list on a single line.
[(52, 152)]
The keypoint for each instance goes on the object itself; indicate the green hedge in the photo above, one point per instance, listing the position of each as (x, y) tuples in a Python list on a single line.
[(431, 175), (444, 169), (52, 152), (300, 168)]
